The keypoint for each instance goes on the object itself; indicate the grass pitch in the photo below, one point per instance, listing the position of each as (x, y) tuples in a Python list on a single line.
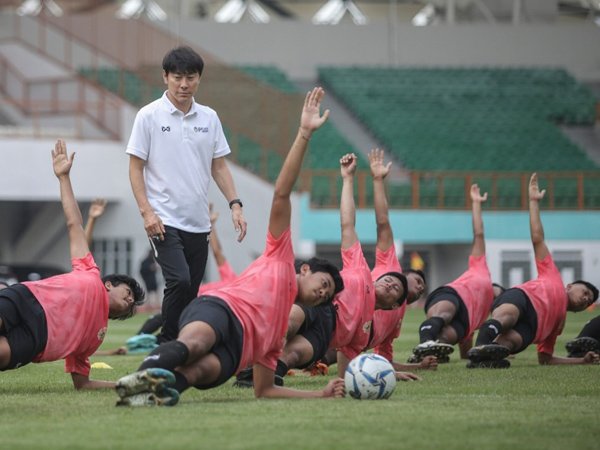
[(526, 406)]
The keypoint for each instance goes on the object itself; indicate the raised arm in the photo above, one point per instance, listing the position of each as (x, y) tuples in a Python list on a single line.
[(535, 222), (96, 210), (379, 170), (62, 164), (478, 239), (215, 245), (347, 205), (222, 176), (310, 121), (152, 223)]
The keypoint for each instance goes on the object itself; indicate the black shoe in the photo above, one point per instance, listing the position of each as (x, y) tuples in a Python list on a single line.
[(490, 352), (489, 364), (437, 349), (578, 347), (244, 378)]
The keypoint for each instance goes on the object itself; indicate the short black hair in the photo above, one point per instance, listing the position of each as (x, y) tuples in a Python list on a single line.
[(418, 272), (183, 60), (322, 265), (590, 286), (138, 292)]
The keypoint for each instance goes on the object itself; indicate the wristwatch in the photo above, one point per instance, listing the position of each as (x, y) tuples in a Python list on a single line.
[(234, 201)]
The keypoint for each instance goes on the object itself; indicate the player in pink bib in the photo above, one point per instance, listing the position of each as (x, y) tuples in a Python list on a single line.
[(454, 311), (387, 323), (244, 322), (535, 311), (65, 316), (345, 327)]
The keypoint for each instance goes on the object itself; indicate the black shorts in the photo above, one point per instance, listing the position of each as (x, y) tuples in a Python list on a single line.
[(23, 324), (526, 325), (460, 321), (318, 328), (230, 334)]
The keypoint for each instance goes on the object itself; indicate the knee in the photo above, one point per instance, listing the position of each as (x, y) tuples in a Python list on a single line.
[(181, 282)]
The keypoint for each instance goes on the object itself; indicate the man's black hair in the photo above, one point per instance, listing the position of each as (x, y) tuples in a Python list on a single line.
[(183, 60), (418, 272), (590, 286), (137, 291), (322, 265)]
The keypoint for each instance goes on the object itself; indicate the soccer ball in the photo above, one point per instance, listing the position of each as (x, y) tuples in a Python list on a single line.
[(370, 377)]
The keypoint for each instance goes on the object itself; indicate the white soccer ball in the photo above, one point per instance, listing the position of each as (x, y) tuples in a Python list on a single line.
[(370, 377)]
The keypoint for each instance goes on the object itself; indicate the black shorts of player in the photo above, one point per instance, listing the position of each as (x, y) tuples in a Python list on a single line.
[(318, 328), (460, 322), (23, 324), (526, 325), (230, 334), (591, 329)]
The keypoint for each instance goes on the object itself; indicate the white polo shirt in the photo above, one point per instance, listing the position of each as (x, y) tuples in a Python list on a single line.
[(178, 149)]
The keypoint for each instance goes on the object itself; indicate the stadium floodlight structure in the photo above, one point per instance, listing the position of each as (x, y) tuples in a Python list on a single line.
[(133, 9), (234, 10), (332, 12), (35, 7)]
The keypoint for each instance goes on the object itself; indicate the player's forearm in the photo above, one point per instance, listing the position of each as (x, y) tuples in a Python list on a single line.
[(535, 222), (70, 207), (551, 360), (89, 230), (81, 382), (292, 165), (138, 186), (283, 392), (342, 364), (347, 205), (380, 201)]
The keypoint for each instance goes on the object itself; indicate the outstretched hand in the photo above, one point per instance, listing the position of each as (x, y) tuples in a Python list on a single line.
[(591, 358), (407, 376), (534, 188), (60, 159), (429, 362), (348, 165), (97, 208), (311, 118), (335, 388), (378, 168), (476, 194)]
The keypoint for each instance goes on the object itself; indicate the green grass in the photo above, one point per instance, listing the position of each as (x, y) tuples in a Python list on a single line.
[(526, 406)]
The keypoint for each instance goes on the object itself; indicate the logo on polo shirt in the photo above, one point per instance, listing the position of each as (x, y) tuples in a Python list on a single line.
[(101, 334), (201, 129), (367, 327), (165, 129)]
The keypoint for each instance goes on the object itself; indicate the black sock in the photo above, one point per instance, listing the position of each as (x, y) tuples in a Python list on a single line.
[(181, 382), (166, 356), (151, 325), (281, 369), (488, 332), (430, 329)]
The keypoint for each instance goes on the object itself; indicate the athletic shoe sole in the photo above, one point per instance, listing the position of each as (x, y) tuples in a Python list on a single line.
[(438, 350), (152, 380), (578, 347), (166, 397), (491, 352), (498, 364)]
